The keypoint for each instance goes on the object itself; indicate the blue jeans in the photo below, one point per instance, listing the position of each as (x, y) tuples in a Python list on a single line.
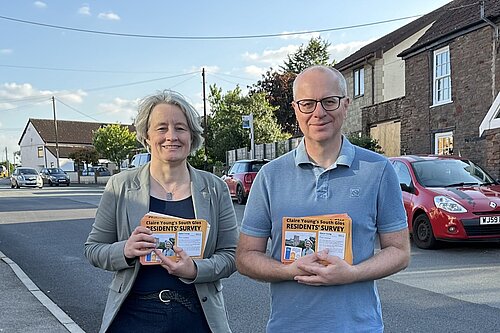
[(155, 316)]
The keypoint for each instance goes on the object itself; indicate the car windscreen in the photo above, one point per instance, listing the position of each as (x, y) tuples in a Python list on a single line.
[(53, 171), (444, 173), (27, 172)]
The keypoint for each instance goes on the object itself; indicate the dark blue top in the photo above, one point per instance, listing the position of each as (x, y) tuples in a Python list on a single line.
[(154, 278)]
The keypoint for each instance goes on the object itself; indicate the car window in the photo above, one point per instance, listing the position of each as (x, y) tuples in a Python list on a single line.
[(234, 168), (257, 166), (403, 173), (442, 173)]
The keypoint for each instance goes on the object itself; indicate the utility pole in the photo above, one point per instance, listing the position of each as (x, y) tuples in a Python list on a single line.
[(7, 164), (205, 126), (55, 128)]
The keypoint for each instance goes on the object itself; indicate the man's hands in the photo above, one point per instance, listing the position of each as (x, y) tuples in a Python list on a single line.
[(323, 269)]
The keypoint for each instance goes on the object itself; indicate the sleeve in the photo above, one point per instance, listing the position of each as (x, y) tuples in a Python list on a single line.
[(391, 214), (102, 248)]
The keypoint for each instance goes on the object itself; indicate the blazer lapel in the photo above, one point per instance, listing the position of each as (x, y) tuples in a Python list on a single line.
[(201, 195)]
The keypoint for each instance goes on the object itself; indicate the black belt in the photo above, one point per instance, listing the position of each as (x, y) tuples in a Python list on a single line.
[(187, 298)]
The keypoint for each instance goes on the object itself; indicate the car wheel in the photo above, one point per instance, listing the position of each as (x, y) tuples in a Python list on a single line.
[(12, 185), (67, 184), (17, 185), (240, 195), (423, 236), (50, 183)]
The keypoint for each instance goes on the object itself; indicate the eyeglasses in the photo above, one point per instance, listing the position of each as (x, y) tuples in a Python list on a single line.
[(330, 103)]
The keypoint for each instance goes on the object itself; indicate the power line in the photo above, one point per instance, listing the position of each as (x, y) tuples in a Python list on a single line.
[(284, 34), (139, 82), (72, 108)]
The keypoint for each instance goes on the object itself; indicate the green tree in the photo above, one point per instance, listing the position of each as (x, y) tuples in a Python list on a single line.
[(314, 53), (366, 141), (225, 130), (114, 142), (84, 156), (278, 85)]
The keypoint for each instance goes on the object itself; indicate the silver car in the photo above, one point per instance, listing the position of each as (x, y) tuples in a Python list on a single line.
[(24, 176)]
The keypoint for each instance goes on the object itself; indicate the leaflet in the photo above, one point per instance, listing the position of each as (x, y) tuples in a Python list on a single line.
[(305, 235), (189, 234)]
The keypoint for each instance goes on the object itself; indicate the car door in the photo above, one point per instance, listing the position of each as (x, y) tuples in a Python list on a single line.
[(231, 181), (407, 188)]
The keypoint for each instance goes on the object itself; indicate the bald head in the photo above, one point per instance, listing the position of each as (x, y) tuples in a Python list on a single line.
[(339, 78)]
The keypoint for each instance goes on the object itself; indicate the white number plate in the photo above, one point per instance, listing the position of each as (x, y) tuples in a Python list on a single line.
[(489, 220)]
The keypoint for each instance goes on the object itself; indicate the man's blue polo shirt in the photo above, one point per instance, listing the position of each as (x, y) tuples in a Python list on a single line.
[(362, 184)]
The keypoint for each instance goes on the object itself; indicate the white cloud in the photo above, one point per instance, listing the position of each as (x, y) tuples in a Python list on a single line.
[(109, 16), (341, 51), (6, 51), (272, 58), (255, 71), (84, 10), (40, 4), (26, 94), (119, 109)]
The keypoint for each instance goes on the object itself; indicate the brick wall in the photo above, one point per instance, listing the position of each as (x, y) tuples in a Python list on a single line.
[(473, 91)]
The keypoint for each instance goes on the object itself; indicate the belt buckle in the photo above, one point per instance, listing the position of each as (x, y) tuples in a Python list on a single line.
[(161, 299)]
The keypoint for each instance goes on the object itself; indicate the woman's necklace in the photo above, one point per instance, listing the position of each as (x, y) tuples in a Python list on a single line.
[(169, 194)]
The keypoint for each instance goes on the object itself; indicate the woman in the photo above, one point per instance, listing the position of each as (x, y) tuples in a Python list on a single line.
[(169, 251), (176, 296)]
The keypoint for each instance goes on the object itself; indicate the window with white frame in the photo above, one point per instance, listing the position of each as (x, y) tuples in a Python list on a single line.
[(359, 82), (442, 76), (443, 143), (40, 151)]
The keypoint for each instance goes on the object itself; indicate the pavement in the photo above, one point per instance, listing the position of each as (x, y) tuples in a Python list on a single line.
[(25, 308)]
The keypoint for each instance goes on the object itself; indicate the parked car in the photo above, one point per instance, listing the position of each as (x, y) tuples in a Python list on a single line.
[(240, 177), (54, 176), (25, 176), (139, 159), (3, 171), (448, 199), (101, 171)]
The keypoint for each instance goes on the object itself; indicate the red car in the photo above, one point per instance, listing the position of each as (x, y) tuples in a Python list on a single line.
[(240, 177), (448, 199)]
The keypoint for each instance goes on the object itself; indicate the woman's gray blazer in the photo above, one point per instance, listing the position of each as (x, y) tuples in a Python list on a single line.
[(125, 201)]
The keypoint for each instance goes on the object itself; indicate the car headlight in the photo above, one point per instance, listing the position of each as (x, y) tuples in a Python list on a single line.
[(52, 178), (449, 205)]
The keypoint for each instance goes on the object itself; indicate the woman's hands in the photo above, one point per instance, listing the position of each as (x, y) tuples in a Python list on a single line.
[(183, 267), (139, 243)]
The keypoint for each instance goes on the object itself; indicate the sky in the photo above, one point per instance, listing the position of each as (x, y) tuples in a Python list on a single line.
[(99, 58)]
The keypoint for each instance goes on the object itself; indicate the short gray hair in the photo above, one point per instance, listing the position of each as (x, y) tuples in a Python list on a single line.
[(146, 106), (341, 79)]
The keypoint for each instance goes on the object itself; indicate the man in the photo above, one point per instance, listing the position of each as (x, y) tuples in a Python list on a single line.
[(324, 175)]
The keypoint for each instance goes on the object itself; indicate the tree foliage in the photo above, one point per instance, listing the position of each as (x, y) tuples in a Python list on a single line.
[(114, 142), (367, 142), (278, 85), (85, 156), (225, 130), (314, 53)]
